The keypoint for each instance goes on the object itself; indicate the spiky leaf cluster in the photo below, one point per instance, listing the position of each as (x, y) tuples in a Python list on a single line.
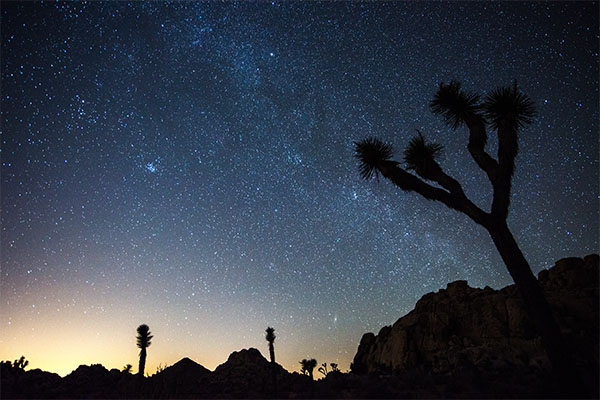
[(371, 152), (144, 337), (418, 153), (508, 107), (270, 334), (21, 363), (308, 364), (454, 104)]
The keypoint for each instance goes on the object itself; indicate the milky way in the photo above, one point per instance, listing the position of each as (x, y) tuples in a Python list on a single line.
[(190, 166)]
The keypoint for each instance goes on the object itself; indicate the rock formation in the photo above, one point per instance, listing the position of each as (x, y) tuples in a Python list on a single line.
[(463, 328), (185, 378)]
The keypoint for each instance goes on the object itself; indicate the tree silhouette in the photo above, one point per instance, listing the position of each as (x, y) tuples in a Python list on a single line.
[(303, 366), (21, 363), (308, 365), (127, 368), (270, 337), (143, 342), (505, 110), (312, 363), (323, 369)]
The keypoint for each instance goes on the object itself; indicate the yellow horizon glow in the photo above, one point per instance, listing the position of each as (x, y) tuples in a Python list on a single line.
[(58, 329), (58, 344)]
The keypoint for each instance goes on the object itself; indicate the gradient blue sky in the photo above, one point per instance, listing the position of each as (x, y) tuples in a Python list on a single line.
[(190, 166)]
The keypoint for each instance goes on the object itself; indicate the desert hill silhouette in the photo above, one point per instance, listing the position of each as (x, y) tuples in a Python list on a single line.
[(179, 379), (457, 342), (183, 367)]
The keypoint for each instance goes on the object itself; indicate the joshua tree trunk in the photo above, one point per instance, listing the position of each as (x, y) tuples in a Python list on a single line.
[(142, 364), (273, 371), (272, 352), (270, 337), (538, 309)]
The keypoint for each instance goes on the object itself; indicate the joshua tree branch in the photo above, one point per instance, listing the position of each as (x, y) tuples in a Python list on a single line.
[(455, 198), (446, 181), (457, 191), (477, 142), (507, 152)]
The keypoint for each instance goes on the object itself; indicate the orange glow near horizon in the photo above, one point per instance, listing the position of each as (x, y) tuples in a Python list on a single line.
[(57, 338), (62, 350)]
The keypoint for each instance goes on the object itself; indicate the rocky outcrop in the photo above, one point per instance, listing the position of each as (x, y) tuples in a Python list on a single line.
[(243, 363), (245, 371), (95, 381), (461, 328), (16, 383), (247, 374)]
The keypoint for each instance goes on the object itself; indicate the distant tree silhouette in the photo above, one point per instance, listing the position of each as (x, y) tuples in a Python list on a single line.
[(303, 369), (270, 337), (127, 368), (143, 342), (323, 369), (308, 365), (505, 110), (21, 363), (312, 363)]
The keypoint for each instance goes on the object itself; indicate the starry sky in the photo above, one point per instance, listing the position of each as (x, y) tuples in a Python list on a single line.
[(190, 166)]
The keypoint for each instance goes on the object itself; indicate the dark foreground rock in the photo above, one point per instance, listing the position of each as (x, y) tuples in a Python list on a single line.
[(180, 380), (16, 383), (486, 332), (460, 342)]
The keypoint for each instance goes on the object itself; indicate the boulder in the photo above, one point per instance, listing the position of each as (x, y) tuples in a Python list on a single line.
[(247, 374), (461, 328)]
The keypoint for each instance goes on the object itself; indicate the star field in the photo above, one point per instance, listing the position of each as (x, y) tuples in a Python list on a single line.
[(189, 165)]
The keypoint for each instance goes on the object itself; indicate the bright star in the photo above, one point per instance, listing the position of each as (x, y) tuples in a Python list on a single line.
[(151, 167)]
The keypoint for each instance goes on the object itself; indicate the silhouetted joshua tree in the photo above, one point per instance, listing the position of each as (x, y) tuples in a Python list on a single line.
[(143, 342), (270, 337), (308, 366), (21, 363), (303, 369), (323, 369), (127, 368), (505, 110)]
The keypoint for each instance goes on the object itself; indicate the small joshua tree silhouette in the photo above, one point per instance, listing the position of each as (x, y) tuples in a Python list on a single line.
[(21, 363)]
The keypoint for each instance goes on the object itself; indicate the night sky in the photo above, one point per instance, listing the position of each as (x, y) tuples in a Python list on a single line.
[(190, 166)]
